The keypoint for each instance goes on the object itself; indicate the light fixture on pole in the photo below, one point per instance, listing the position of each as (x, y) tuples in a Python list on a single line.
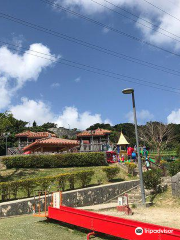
[(131, 91), (6, 135)]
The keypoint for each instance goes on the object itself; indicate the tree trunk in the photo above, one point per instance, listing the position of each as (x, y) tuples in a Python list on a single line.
[(159, 155)]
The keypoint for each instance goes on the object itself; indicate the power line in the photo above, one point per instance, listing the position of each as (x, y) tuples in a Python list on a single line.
[(143, 19), (89, 45), (162, 10), (97, 70), (150, 27), (108, 27)]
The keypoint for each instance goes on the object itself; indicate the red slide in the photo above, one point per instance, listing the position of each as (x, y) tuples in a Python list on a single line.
[(114, 226)]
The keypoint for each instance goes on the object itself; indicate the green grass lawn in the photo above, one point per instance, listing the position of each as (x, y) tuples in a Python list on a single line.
[(166, 199), (164, 153), (24, 173), (28, 227), (98, 178)]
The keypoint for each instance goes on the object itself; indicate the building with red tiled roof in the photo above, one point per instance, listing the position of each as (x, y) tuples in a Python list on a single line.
[(36, 135), (51, 144), (27, 137), (98, 132), (94, 140)]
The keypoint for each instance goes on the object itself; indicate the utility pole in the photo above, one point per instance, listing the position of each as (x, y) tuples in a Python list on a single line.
[(131, 91)]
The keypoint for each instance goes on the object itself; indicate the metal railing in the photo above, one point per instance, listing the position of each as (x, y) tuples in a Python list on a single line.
[(95, 147)]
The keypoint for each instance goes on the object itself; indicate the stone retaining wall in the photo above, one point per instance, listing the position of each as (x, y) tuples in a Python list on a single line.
[(75, 198), (175, 183)]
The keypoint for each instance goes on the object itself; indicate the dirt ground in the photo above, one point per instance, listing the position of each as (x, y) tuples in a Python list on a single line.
[(164, 212), (169, 217)]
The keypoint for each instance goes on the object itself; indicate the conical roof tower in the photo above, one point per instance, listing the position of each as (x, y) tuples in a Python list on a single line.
[(122, 140)]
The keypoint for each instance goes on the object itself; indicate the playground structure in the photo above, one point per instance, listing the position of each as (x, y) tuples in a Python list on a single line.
[(100, 223), (112, 157)]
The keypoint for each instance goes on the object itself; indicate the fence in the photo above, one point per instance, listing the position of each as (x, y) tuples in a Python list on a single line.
[(95, 147)]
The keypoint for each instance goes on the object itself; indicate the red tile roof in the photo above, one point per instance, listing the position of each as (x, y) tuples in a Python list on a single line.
[(97, 132), (59, 142), (35, 135)]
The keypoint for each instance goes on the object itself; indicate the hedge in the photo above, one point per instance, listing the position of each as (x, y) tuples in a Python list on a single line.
[(131, 167), (56, 161), (111, 172), (26, 187), (152, 178), (174, 167)]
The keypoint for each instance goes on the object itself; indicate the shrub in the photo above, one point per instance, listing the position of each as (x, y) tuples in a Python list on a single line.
[(71, 180), (158, 158), (111, 172), (14, 188), (29, 185), (163, 165), (131, 167), (61, 179), (85, 177), (152, 179), (174, 167), (56, 161), (45, 182), (8, 189), (4, 190), (178, 151)]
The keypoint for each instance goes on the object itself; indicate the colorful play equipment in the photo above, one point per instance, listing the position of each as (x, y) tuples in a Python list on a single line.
[(112, 157), (122, 144), (123, 205), (100, 223)]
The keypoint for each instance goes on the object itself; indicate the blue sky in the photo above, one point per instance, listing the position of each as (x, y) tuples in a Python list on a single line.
[(33, 88)]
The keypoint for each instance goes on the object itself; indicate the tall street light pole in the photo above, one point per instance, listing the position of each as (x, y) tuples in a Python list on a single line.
[(131, 91), (6, 135)]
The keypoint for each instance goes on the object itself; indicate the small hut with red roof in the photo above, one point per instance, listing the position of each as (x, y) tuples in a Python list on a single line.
[(27, 137), (94, 140), (43, 142), (51, 144)]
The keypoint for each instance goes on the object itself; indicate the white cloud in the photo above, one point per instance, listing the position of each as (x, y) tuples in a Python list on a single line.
[(142, 117), (108, 121), (71, 116), (77, 80), (145, 10), (174, 117), (105, 30), (30, 110), (17, 41), (5, 93), (55, 85), (16, 69)]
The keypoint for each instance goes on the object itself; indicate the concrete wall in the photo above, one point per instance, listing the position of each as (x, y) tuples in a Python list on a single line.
[(75, 198), (175, 183)]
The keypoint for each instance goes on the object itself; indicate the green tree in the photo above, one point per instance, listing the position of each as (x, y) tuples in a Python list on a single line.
[(34, 124), (9, 124), (128, 130), (100, 125), (157, 135), (49, 125)]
